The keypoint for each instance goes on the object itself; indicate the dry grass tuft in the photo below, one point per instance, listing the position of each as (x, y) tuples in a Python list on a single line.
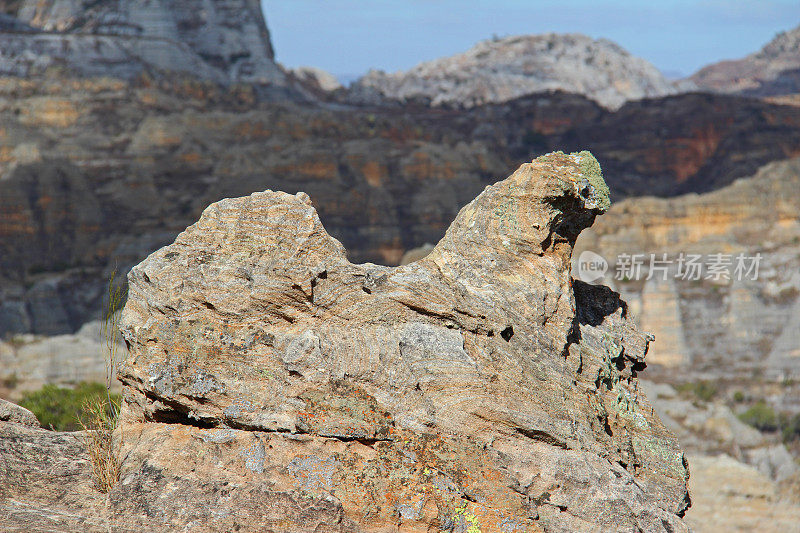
[(102, 414), (99, 423)]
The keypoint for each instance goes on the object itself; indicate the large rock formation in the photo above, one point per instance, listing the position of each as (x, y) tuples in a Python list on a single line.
[(504, 69), (772, 71), (224, 41), (272, 384)]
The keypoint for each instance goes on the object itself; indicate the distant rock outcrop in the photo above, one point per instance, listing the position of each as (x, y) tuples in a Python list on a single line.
[(503, 69), (224, 41), (772, 71), (316, 78)]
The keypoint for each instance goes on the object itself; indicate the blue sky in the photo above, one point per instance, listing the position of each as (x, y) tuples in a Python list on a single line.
[(347, 37)]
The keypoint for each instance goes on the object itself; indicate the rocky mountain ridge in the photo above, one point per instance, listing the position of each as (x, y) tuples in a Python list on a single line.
[(222, 41), (503, 69), (772, 71)]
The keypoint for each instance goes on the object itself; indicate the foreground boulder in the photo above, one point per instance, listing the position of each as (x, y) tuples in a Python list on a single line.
[(465, 388), (272, 385)]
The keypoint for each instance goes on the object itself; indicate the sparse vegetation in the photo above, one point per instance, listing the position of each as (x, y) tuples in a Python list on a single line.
[(62, 409), (790, 428), (702, 390), (103, 412), (104, 453), (761, 416)]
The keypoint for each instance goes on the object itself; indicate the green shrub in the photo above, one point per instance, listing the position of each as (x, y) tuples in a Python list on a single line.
[(62, 409), (790, 428), (703, 390), (761, 416), (738, 396)]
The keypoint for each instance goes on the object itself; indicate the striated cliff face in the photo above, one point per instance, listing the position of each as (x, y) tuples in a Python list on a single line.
[(97, 173), (695, 320), (772, 71), (224, 41), (273, 384), (738, 337), (503, 69)]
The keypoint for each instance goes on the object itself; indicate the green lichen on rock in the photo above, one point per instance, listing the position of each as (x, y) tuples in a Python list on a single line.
[(590, 170), (466, 521)]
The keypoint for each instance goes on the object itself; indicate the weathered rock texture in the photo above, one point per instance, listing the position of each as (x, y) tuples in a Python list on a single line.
[(274, 384), (224, 41), (772, 71), (504, 69)]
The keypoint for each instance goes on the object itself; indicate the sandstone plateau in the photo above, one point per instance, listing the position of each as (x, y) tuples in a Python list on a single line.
[(272, 384), (97, 173), (499, 70)]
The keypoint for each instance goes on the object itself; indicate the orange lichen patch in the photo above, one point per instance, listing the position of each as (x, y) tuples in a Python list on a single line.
[(54, 112), (374, 173)]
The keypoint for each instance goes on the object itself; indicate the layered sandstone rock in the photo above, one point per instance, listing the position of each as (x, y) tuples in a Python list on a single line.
[(273, 384), (134, 164), (504, 69)]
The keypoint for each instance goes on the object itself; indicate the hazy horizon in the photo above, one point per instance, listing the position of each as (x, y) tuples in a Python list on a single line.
[(347, 37)]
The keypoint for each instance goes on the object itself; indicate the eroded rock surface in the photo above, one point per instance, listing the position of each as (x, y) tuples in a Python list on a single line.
[(273, 384)]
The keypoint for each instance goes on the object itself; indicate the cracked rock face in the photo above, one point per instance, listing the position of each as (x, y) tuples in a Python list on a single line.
[(273, 384)]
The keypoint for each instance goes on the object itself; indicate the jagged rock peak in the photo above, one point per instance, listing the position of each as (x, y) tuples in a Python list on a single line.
[(772, 71), (220, 40), (498, 70), (474, 387)]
